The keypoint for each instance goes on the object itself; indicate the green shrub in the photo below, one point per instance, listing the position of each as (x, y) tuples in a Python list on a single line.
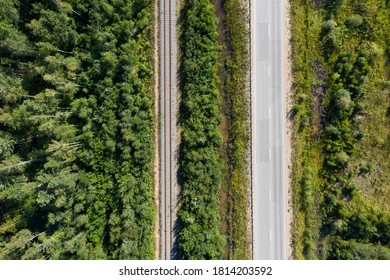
[(365, 168), (329, 25), (360, 135), (354, 21), (343, 101), (342, 159), (295, 110)]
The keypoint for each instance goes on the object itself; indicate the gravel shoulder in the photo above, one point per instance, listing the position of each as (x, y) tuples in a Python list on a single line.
[(287, 84), (156, 131)]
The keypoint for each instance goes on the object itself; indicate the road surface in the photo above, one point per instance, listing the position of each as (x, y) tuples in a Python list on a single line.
[(168, 131), (268, 119)]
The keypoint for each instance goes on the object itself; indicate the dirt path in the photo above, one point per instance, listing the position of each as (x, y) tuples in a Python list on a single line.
[(156, 129)]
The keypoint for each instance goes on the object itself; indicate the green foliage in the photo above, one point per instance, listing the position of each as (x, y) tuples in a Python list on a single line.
[(238, 150), (352, 250), (342, 102), (333, 6), (350, 48), (354, 21), (199, 236), (332, 39), (329, 25), (295, 110), (76, 119)]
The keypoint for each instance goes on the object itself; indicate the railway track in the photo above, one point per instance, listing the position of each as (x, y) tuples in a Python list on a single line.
[(168, 125)]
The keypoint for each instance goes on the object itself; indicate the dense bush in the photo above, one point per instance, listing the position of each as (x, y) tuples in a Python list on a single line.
[(199, 219), (333, 6), (352, 250)]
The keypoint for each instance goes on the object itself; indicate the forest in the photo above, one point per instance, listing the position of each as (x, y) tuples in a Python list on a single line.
[(76, 130), (341, 129)]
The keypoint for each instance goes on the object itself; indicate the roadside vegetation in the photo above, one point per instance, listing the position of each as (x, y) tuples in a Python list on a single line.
[(200, 171), (341, 129), (76, 130), (237, 94)]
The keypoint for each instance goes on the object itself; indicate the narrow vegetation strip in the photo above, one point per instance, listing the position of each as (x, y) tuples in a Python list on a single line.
[(236, 90), (199, 218)]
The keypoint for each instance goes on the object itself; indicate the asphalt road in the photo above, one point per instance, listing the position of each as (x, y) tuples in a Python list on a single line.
[(168, 129), (268, 120)]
